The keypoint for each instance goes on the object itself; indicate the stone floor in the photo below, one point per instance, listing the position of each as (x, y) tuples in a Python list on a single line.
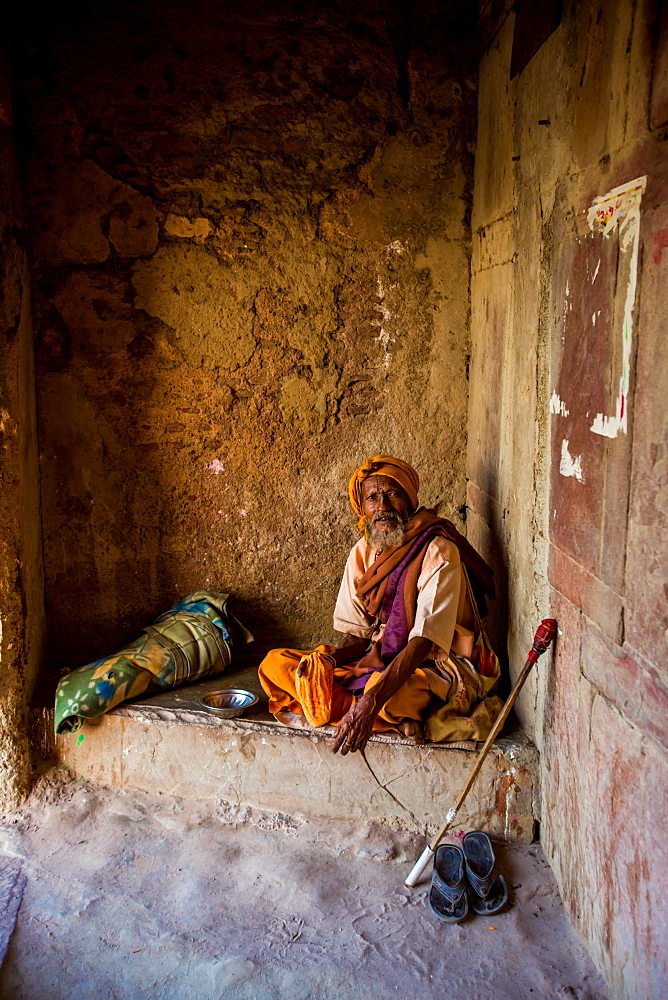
[(134, 896)]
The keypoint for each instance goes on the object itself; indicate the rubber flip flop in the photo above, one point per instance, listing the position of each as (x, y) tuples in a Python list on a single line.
[(448, 898), (488, 891)]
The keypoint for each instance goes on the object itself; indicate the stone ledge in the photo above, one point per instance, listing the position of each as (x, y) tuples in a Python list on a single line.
[(168, 745)]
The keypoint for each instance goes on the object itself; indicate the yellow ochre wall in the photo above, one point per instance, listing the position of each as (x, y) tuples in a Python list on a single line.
[(251, 240)]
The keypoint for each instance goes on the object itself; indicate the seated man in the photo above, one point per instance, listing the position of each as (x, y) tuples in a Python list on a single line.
[(414, 651)]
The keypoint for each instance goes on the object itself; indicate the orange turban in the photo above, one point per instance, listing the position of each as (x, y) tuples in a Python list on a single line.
[(382, 465)]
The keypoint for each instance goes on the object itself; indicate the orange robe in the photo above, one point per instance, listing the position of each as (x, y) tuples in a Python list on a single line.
[(277, 677), (446, 690)]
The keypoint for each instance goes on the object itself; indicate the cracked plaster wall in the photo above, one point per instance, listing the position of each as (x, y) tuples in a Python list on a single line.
[(251, 232)]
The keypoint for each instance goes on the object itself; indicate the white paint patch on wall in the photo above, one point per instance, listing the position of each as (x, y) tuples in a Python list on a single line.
[(557, 405), (619, 212), (570, 465), (384, 337)]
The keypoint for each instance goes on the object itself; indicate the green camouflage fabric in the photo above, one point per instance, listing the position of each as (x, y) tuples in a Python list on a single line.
[(191, 641)]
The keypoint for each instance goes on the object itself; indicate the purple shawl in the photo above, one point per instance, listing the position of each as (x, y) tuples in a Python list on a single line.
[(398, 608)]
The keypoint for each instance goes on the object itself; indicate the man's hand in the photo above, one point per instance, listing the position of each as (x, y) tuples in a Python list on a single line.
[(356, 726)]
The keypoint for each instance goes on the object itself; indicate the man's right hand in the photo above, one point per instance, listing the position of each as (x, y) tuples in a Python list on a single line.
[(356, 726)]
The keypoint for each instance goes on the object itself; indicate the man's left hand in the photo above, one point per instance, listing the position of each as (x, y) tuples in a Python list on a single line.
[(355, 727)]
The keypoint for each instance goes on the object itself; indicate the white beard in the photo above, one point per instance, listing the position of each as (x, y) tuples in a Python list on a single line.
[(382, 540)]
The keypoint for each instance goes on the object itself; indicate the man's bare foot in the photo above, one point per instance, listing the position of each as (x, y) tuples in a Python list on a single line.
[(293, 720), (413, 730)]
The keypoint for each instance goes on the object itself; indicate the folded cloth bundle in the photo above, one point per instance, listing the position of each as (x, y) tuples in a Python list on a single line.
[(313, 682), (192, 640)]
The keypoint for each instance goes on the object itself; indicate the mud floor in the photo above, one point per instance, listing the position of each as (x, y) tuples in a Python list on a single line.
[(134, 897)]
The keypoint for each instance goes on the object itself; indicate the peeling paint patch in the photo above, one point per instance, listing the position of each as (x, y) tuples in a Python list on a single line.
[(557, 405), (216, 466), (660, 244), (384, 337), (619, 212), (570, 465)]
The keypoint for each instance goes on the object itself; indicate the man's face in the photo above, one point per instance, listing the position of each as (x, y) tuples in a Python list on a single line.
[(387, 509)]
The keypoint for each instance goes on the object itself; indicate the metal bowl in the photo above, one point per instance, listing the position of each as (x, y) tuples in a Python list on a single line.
[(228, 703)]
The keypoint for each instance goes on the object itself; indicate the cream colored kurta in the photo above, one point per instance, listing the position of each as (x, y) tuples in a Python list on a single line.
[(441, 600)]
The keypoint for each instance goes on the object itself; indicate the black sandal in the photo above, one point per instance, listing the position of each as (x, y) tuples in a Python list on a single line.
[(448, 898), (488, 892)]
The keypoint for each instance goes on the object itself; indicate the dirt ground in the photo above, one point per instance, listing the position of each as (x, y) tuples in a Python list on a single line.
[(138, 897)]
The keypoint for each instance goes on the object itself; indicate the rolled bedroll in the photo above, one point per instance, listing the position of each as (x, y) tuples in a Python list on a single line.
[(190, 641)]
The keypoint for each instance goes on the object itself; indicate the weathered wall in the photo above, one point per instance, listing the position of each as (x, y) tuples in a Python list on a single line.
[(21, 585), (252, 257), (574, 504)]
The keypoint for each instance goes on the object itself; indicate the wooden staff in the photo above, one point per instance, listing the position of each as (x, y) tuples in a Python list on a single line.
[(545, 633)]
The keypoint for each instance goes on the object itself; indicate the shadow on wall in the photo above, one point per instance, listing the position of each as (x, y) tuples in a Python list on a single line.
[(485, 531), (251, 259), (496, 623)]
